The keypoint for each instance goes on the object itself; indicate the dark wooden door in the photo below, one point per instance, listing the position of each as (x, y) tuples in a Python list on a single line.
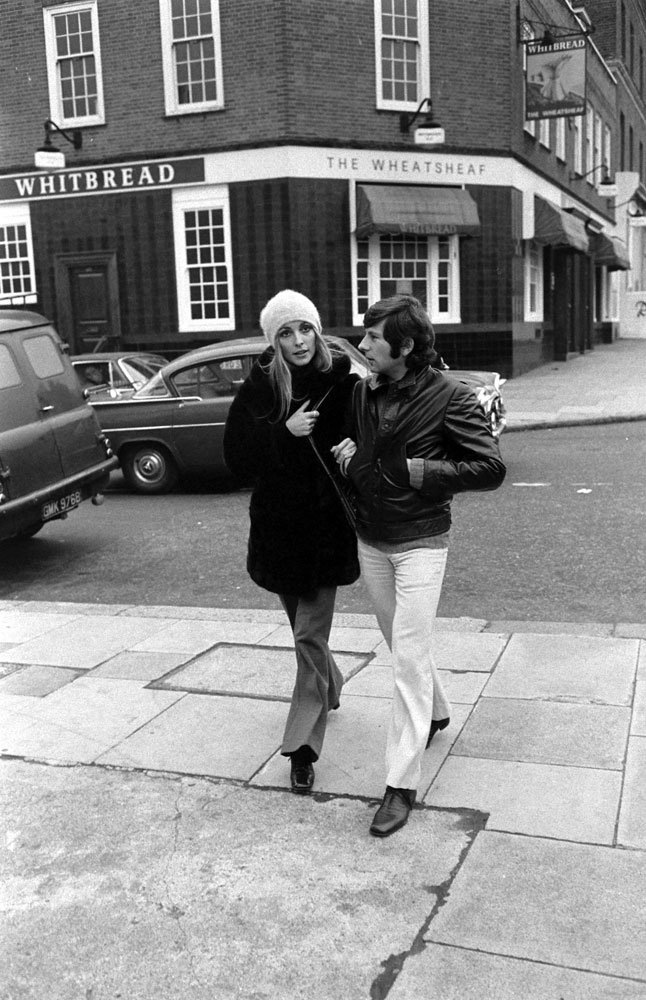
[(90, 299)]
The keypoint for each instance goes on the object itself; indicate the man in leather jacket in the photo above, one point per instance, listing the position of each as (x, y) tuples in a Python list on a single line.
[(418, 437)]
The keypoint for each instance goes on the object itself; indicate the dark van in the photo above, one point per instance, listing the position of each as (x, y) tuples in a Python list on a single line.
[(53, 454)]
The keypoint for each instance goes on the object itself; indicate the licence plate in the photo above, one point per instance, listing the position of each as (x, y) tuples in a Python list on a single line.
[(54, 508)]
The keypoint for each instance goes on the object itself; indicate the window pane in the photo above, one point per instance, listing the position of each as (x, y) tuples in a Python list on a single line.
[(43, 356), (8, 371), (207, 271), (15, 276)]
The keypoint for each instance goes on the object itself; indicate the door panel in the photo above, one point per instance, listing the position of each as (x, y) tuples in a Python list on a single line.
[(92, 323)]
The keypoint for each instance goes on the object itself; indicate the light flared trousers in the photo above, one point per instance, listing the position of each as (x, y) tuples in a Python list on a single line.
[(318, 683), (405, 590)]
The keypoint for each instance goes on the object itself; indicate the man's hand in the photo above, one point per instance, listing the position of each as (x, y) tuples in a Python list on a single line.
[(301, 423), (343, 452)]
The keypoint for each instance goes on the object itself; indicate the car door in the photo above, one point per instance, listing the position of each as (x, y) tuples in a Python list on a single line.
[(29, 457), (61, 403), (206, 389)]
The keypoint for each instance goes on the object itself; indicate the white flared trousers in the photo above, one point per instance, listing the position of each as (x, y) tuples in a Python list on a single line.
[(405, 590)]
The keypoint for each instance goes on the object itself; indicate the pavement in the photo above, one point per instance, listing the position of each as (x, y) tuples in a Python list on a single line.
[(152, 847)]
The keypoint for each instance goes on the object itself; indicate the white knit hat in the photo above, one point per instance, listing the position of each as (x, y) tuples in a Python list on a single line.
[(286, 307)]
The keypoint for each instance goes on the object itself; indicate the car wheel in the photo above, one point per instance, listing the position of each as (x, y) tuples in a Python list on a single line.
[(149, 468)]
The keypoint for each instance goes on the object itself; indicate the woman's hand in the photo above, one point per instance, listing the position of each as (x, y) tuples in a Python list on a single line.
[(302, 421), (343, 452)]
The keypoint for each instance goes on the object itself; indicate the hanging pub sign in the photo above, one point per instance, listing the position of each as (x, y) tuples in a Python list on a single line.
[(555, 78)]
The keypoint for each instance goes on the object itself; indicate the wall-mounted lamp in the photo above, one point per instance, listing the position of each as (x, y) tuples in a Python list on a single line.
[(47, 156), (606, 187), (429, 132)]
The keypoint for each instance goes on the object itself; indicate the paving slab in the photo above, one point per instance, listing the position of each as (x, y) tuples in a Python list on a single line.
[(546, 733), (540, 800), (441, 972), (638, 727), (204, 735), (632, 819), (196, 636), (17, 627), (127, 885), (577, 668), (83, 719), (91, 640), (141, 666), (258, 670), (376, 681), (572, 905), (458, 651), (37, 681), (554, 628)]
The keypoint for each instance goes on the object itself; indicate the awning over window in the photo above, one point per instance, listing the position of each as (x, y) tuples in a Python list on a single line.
[(420, 211), (610, 252), (558, 228)]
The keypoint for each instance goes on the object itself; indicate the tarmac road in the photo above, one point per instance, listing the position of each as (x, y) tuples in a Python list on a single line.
[(561, 540)]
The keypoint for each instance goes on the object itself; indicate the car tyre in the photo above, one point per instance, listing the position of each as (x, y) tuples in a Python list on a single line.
[(149, 468)]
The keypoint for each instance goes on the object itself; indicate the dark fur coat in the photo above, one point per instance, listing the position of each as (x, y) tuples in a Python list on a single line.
[(299, 538)]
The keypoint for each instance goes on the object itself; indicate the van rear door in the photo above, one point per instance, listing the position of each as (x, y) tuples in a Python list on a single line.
[(63, 407), (29, 457)]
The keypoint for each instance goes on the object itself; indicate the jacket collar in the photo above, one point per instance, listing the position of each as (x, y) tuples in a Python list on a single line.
[(407, 381)]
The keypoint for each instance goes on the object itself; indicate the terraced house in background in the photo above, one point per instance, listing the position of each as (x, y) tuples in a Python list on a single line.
[(217, 151)]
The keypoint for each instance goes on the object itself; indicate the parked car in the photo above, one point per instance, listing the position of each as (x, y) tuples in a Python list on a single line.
[(114, 374), (53, 453), (174, 425), (487, 387)]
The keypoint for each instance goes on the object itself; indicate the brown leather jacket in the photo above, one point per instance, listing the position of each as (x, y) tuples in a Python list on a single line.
[(436, 420)]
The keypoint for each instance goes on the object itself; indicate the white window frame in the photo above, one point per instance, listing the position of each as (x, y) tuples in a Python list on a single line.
[(589, 145), (533, 267), (171, 100), (19, 215), (544, 132), (373, 282), (597, 154), (193, 199), (53, 80), (560, 139), (423, 60), (578, 144), (607, 147)]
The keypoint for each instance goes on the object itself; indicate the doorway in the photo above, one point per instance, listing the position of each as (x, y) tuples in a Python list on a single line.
[(88, 301)]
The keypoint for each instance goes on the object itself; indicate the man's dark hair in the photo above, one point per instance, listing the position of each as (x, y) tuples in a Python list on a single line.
[(406, 319)]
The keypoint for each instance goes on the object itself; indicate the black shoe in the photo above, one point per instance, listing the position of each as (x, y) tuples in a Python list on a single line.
[(393, 812), (302, 777), (435, 725)]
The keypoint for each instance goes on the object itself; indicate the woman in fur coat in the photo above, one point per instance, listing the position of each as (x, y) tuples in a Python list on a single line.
[(301, 546)]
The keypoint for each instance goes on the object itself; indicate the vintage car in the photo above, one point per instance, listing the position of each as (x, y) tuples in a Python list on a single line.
[(115, 374), (174, 426), (53, 454)]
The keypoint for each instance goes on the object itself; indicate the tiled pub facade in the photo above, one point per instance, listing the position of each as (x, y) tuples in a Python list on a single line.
[(204, 185)]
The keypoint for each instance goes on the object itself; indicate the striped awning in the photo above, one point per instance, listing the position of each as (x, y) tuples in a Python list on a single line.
[(610, 252), (556, 228), (393, 209)]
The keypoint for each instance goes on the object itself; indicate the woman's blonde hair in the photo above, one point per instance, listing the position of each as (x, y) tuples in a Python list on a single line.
[(280, 374)]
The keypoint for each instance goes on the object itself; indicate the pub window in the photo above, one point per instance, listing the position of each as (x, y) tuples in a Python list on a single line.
[(74, 63), (401, 53), (607, 146), (533, 282), (544, 132), (191, 55), (560, 138), (598, 147), (203, 259), (578, 144), (17, 282), (589, 134), (424, 266)]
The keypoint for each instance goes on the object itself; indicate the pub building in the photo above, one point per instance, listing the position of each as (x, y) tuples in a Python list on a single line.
[(495, 222)]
